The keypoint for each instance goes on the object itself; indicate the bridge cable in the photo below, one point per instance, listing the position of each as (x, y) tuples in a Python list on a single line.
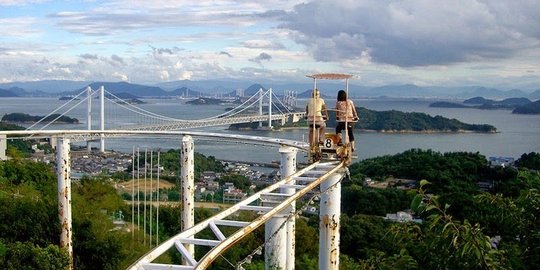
[(28, 128)]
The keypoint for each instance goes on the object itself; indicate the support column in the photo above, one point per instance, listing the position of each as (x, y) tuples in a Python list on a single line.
[(287, 168), (3, 147), (278, 232), (89, 114), (275, 238), (102, 117), (188, 188), (63, 175), (329, 222)]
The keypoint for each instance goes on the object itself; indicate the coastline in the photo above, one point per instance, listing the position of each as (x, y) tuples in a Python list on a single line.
[(385, 131)]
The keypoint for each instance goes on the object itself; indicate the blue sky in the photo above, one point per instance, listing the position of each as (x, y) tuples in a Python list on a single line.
[(493, 43)]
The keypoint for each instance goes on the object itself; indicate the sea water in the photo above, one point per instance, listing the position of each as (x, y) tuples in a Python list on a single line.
[(517, 134)]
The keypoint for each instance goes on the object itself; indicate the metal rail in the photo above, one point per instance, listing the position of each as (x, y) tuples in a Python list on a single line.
[(312, 176), (78, 135)]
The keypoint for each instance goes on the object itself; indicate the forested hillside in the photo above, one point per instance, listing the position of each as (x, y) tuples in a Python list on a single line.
[(397, 121), (463, 226)]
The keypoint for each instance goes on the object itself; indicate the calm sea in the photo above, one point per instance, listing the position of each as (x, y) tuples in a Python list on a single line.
[(517, 134)]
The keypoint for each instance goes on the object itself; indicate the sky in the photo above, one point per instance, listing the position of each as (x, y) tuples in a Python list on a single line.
[(492, 43)]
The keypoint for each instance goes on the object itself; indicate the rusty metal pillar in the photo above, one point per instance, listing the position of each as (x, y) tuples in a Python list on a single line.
[(278, 232), (63, 174), (275, 238), (187, 192), (288, 167), (329, 222)]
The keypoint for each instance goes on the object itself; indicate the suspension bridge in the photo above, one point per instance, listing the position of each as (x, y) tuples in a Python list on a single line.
[(263, 107), (275, 205)]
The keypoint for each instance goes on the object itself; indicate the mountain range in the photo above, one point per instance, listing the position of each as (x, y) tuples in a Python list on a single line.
[(187, 88)]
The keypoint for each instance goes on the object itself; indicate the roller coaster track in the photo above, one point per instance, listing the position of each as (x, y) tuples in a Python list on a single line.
[(306, 180), (268, 203)]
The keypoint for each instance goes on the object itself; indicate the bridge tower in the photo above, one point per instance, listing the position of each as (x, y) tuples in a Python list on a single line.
[(260, 105), (102, 117), (89, 115), (270, 108)]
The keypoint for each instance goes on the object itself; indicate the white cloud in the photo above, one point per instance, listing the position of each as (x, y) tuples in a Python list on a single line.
[(416, 32), (18, 27)]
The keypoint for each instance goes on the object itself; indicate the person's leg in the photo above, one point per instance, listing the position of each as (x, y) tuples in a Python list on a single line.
[(339, 128), (321, 134), (311, 135), (350, 131)]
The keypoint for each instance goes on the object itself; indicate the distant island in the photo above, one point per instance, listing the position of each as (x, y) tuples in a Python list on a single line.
[(518, 105), (398, 122), (531, 108), (26, 118), (68, 98), (212, 101), (205, 101), (446, 104)]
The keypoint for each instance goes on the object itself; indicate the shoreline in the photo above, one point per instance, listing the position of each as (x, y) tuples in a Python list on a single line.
[(383, 131)]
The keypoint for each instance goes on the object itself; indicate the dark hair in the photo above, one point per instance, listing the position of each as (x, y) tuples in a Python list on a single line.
[(342, 95)]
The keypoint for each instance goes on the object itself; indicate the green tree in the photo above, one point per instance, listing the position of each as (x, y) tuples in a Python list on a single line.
[(529, 161), (455, 243)]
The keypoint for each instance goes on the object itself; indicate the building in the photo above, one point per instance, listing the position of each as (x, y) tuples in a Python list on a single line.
[(501, 161), (401, 216)]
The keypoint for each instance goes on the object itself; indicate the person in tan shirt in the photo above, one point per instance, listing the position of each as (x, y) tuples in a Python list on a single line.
[(316, 116)]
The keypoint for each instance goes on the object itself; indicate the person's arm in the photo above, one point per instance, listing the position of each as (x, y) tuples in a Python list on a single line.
[(355, 114), (324, 112)]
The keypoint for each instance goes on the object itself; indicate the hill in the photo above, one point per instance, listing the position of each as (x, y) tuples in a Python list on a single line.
[(531, 108), (446, 104), (483, 103), (7, 93), (133, 89), (47, 86), (227, 86), (26, 118), (185, 92), (396, 121), (477, 101)]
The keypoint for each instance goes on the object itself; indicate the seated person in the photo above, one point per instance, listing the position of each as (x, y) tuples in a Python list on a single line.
[(316, 116)]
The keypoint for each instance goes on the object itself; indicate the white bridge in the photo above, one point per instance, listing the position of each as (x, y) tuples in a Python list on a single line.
[(263, 107)]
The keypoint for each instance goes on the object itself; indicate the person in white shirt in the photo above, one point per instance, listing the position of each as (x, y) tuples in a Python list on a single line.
[(346, 116)]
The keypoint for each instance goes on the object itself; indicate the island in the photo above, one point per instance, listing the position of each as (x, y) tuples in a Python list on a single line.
[(26, 118), (213, 101), (124, 98), (446, 104), (395, 122), (531, 108), (483, 103)]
